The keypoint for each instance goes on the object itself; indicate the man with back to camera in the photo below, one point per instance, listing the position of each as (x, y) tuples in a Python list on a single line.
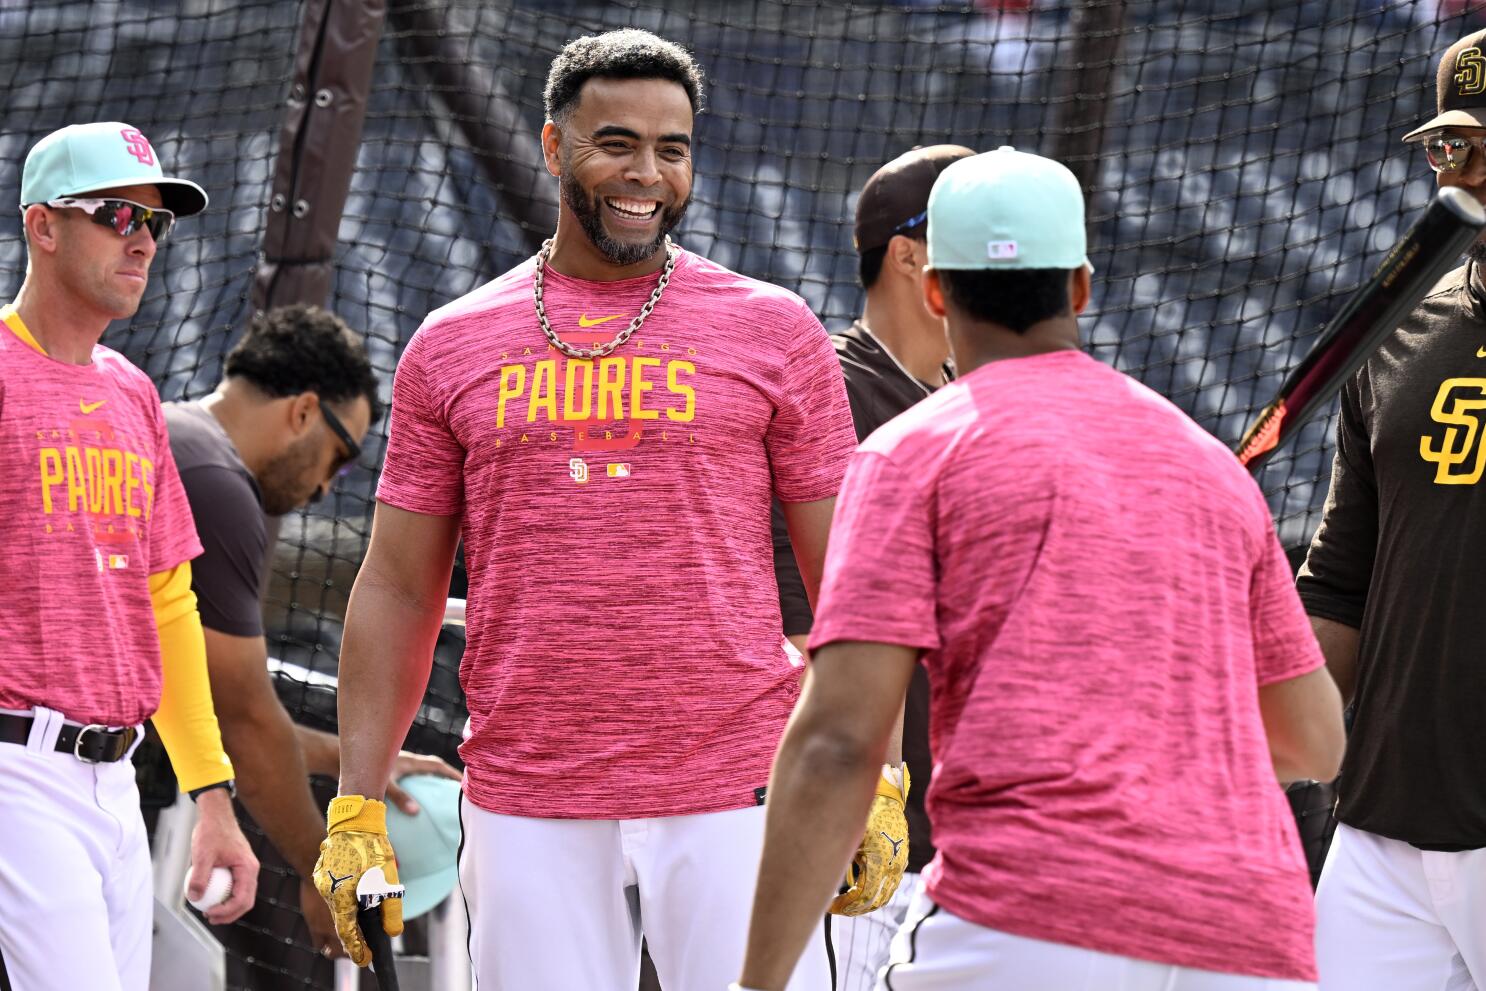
[(100, 629), (892, 357), (604, 426), (294, 406), (1096, 589), (1389, 584)]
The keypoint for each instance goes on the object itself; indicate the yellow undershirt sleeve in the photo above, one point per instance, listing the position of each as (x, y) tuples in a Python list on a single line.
[(186, 720)]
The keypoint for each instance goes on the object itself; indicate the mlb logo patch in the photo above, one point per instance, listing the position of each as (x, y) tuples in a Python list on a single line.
[(118, 561), (1000, 250), (619, 471)]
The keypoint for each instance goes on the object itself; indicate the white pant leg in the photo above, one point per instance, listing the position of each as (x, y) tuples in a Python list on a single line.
[(937, 950), (76, 909), (697, 875), (1377, 928), (861, 942), (1457, 882), (547, 903)]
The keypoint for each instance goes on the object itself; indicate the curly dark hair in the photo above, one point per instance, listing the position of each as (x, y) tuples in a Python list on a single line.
[(299, 348), (627, 54)]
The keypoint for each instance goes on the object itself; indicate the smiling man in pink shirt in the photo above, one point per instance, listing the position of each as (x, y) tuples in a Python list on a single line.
[(1094, 586), (603, 426)]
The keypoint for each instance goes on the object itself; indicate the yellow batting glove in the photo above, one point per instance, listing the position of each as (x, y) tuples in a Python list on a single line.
[(883, 856), (356, 842)]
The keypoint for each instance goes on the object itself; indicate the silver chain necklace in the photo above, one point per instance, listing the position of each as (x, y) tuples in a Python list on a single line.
[(894, 359), (598, 350)]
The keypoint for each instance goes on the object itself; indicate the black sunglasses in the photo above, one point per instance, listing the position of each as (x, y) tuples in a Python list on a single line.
[(124, 216), (346, 462)]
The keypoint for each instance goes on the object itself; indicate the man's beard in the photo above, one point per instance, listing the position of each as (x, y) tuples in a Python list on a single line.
[(588, 209), (1476, 252), (281, 483)]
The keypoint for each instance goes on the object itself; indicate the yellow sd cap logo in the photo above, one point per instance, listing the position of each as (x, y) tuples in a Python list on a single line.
[(1470, 72)]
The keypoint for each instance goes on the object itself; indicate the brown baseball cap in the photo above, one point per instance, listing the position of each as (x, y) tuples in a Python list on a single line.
[(1459, 87), (897, 195)]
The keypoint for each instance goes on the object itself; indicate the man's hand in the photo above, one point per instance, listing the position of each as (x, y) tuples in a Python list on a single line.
[(357, 842), (883, 856), (218, 841), (317, 918), (407, 764)]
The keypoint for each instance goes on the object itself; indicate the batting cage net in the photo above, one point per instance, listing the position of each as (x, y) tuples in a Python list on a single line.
[(1243, 170)]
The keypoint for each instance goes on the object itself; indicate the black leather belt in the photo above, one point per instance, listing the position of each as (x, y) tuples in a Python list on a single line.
[(92, 744)]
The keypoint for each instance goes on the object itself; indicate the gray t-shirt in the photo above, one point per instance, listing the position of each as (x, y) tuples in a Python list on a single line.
[(228, 508)]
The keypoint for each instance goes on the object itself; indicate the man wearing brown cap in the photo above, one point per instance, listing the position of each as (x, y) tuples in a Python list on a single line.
[(1392, 584), (892, 356)]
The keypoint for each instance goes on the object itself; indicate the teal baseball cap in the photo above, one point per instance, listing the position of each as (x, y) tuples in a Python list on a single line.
[(1007, 210), (86, 158), (426, 844)]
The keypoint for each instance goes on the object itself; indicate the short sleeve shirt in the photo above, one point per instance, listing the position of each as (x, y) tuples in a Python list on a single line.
[(96, 507), (624, 654), (1099, 594), (228, 508)]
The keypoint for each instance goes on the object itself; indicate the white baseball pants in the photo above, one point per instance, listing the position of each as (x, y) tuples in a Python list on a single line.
[(937, 951), (76, 909), (562, 903), (1392, 917), (861, 942)]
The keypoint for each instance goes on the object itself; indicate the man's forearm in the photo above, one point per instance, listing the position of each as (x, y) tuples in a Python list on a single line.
[(273, 783), (322, 751), (386, 655), (819, 795), (1339, 644)]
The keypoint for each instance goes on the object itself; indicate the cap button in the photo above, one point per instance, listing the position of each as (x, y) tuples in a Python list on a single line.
[(1006, 148)]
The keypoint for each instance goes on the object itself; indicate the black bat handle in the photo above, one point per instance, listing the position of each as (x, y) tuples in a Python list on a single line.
[(370, 922)]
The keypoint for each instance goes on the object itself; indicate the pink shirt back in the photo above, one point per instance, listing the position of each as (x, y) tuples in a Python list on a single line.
[(624, 653), (95, 508), (1099, 593)]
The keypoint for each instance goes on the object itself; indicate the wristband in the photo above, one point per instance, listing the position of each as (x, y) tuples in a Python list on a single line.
[(229, 784)]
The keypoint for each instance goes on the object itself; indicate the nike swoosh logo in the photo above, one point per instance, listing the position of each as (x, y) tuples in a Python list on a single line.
[(336, 882), (1481, 352), (584, 321), (896, 843), (89, 407)]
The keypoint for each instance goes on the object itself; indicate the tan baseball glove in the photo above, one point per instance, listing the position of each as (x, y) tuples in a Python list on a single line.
[(883, 856), (356, 842)]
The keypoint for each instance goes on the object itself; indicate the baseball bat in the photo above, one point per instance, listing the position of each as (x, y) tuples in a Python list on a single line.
[(1426, 252), (371, 891)]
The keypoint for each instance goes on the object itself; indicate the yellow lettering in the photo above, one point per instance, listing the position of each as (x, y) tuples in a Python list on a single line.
[(611, 388), (524, 438), (113, 481), (688, 412), (131, 482), (51, 474), (77, 492), (572, 392), (638, 387), (512, 383), (147, 480), (93, 458), (552, 435), (543, 390)]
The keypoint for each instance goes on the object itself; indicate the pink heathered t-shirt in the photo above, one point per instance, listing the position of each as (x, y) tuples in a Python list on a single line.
[(624, 656), (1099, 594), (96, 507)]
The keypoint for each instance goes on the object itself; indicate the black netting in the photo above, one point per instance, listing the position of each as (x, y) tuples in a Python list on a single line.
[(1244, 174)]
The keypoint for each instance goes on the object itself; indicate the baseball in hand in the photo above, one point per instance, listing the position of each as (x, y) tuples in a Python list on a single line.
[(218, 887)]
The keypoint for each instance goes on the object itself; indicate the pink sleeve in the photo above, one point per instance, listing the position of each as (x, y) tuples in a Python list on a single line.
[(811, 437), (424, 468), (1284, 645), (879, 583), (172, 536)]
